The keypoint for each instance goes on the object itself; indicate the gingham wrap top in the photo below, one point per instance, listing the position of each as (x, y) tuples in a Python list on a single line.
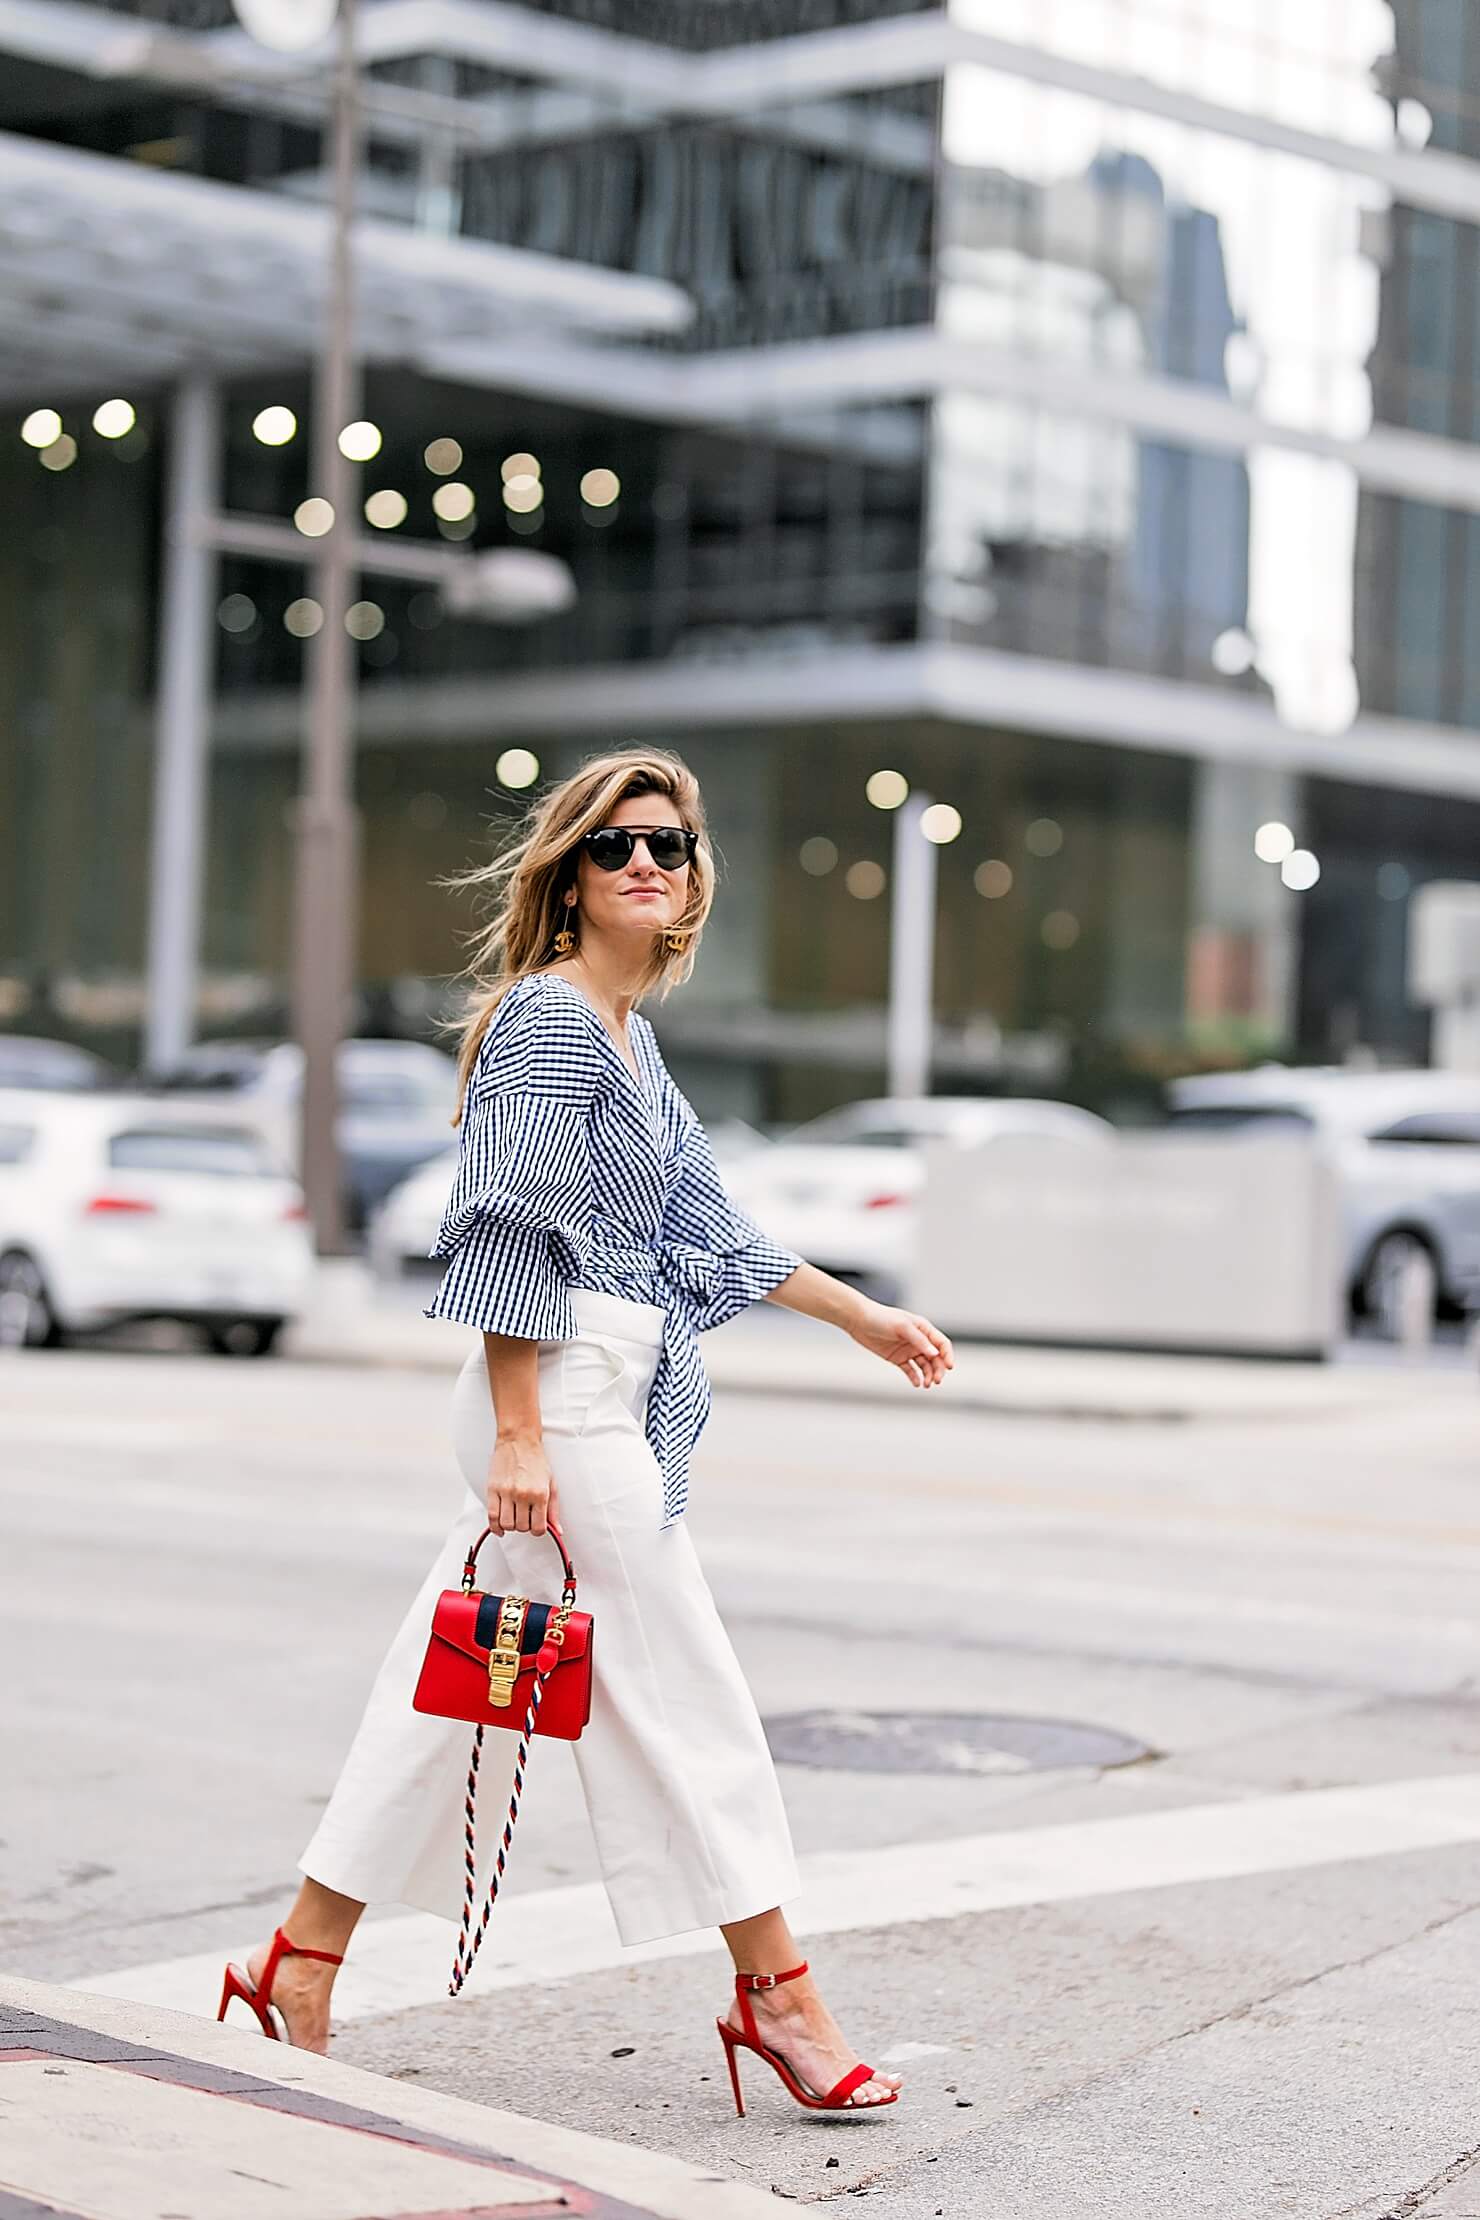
[(572, 1174)]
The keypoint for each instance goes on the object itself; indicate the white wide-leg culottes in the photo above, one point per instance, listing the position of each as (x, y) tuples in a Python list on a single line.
[(679, 1784)]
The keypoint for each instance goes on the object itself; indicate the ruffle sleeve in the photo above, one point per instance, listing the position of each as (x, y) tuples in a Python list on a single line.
[(517, 1226), (699, 1211)]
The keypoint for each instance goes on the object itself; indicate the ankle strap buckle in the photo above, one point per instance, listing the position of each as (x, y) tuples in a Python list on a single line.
[(769, 1980)]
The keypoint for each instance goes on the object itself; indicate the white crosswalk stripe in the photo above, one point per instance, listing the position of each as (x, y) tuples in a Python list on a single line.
[(554, 1934)]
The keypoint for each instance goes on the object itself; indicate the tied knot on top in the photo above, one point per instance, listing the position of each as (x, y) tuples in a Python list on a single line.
[(690, 1268)]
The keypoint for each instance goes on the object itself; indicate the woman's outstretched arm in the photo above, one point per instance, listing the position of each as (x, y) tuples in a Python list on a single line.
[(902, 1338)]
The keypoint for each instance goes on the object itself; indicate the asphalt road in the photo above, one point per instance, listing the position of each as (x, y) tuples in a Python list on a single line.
[(1209, 1983)]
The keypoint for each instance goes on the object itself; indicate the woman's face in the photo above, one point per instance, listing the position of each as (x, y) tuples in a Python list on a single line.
[(639, 899)]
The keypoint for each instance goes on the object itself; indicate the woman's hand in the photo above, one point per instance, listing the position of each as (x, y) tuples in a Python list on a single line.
[(521, 1486), (904, 1339)]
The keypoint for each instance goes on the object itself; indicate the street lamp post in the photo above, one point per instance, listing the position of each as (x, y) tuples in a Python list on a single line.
[(326, 905)]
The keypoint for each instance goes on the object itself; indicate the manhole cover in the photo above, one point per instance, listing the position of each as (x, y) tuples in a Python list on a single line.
[(944, 1742)]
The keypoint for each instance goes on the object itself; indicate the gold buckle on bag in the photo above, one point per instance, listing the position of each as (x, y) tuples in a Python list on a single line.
[(504, 1655)]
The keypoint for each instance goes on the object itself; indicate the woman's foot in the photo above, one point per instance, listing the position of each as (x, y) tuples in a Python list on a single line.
[(301, 1988), (793, 2020)]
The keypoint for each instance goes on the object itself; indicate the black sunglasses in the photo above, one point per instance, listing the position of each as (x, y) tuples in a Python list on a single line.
[(611, 847)]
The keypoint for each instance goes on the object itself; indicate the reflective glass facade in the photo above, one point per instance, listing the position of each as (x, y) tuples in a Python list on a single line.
[(1116, 343)]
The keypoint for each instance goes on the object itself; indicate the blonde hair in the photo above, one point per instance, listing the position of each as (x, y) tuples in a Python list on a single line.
[(528, 878)]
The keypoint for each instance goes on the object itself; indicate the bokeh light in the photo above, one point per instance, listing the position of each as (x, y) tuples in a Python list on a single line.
[(519, 466), (237, 613), (41, 427), (599, 488), (940, 822), (360, 441), (517, 767), (114, 419), (314, 517), (887, 789), (364, 620), (386, 509), (1300, 870), (865, 879), (819, 855), (303, 618), (442, 457), (993, 878), (1273, 842), (275, 426), (454, 501)]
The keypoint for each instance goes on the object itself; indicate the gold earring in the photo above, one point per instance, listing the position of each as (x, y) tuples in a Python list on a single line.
[(677, 942), (565, 939)]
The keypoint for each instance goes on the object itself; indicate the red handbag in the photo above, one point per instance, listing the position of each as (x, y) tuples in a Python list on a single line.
[(504, 1661), (488, 1654)]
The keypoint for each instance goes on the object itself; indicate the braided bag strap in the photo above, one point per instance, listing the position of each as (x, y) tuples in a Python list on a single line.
[(470, 1938)]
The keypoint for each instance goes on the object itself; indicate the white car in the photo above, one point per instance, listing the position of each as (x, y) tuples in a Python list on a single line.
[(402, 1231), (395, 1104), (1406, 1146), (115, 1207), (841, 1190)]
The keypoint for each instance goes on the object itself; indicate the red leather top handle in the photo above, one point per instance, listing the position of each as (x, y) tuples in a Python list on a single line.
[(470, 1562)]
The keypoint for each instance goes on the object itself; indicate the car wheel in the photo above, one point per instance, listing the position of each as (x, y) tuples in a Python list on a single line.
[(27, 1317), (244, 1337), (1400, 1287)]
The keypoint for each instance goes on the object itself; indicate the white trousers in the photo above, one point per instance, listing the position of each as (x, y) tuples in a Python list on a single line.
[(682, 1794)]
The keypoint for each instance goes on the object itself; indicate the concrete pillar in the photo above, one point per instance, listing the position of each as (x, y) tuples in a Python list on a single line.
[(1243, 924), (911, 952), (182, 743)]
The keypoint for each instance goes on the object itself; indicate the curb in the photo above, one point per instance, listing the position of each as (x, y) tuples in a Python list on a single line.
[(516, 2168)]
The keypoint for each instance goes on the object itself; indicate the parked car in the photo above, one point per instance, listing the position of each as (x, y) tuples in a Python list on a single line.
[(114, 1207), (395, 1102), (26, 1060), (402, 1231), (1406, 1145), (841, 1190)]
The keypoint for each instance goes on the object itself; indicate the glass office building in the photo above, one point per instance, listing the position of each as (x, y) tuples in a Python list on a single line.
[(1070, 407)]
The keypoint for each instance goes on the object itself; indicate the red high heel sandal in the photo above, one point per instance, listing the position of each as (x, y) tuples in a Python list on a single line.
[(236, 1983), (838, 2098)]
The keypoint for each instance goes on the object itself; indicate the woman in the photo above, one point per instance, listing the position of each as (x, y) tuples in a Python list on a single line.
[(589, 1239)]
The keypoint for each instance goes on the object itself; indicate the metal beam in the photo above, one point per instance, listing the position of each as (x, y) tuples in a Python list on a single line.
[(752, 385), (419, 562), (983, 689), (50, 195)]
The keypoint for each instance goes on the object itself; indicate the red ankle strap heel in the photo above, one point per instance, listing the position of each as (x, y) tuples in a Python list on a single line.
[(258, 1995), (748, 2037)]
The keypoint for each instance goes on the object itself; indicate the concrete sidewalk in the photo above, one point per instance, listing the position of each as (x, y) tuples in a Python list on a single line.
[(116, 2111), (352, 1320)]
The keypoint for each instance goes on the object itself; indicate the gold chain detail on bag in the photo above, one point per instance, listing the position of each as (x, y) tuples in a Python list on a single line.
[(503, 1656), (555, 1629)]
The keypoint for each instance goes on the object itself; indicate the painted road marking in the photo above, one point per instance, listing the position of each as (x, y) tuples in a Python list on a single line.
[(545, 1935)]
